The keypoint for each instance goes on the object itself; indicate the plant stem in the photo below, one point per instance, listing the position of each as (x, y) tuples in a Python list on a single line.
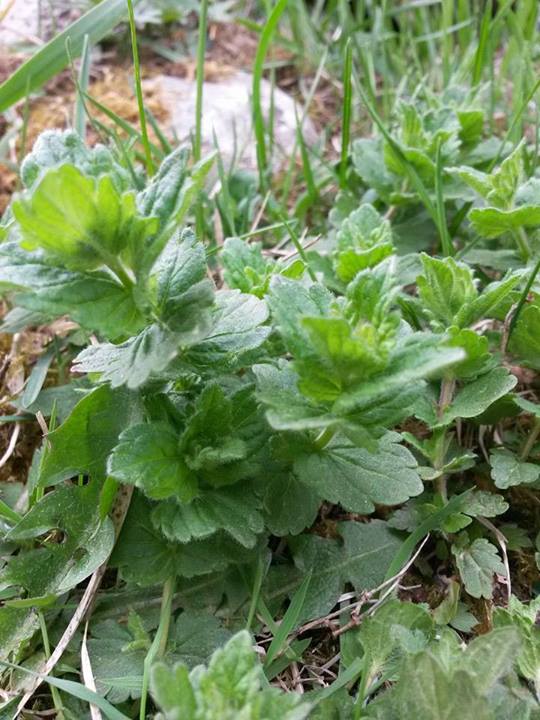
[(531, 439), (159, 644), (324, 437), (523, 244), (138, 88), (445, 398)]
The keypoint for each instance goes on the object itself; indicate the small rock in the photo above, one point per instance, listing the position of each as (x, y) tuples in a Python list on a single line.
[(227, 111)]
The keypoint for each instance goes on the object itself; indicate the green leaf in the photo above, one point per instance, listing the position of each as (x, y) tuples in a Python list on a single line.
[(161, 196), (382, 635), (118, 660), (522, 618), (93, 299), (148, 456), (229, 688), (145, 557), (362, 559), (290, 506), (363, 241), (417, 357), (488, 302), (476, 397), (445, 288), (289, 301), (277, 388), (426, 692), (367, 156), (477, 563), (357, 478), (133, 362), (87, 541), (53, 567), (525, 340), (507, 470), (478, 360), (245, 267), (490, 222), (184, 293), (91, 227), (234, 509), (236, 329), (54, 57), (55, 147), (83, 442)]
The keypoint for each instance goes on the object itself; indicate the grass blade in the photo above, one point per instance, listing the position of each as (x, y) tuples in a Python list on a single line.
[(150, 169), (79, 122), (288, 624), (446, 242), (346, 116), (76, 690), (54, 57), (258, 67)]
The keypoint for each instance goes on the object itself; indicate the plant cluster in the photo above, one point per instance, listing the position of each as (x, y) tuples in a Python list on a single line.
[(248, 435)]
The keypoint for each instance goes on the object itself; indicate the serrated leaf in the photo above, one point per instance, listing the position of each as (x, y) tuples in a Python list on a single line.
[(94, 300), (234, 509), (277, 388), (507, 470), (148, 456), (362, 559), (184, 293), (445, 288), (426, 692), (236, 329), (93, 224), (477, 563), (290, 506), (357, 478), (54, 147), (146, 557), (133, 362), (229, 688), (160, 197), (289, 301), (487, 303), (521, 617), (245, 266), (83, 442), (379, 634), (118, 665)]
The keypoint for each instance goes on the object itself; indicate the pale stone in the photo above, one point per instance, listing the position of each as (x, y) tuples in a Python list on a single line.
[(227, 112)]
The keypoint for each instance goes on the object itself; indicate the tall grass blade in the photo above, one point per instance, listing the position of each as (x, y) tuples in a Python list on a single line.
[(79, 122), (258, 68), (150, 169), (346, 115)]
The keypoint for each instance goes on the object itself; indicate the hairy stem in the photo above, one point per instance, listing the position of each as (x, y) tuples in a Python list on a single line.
[(324, 437), (531, 439)]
